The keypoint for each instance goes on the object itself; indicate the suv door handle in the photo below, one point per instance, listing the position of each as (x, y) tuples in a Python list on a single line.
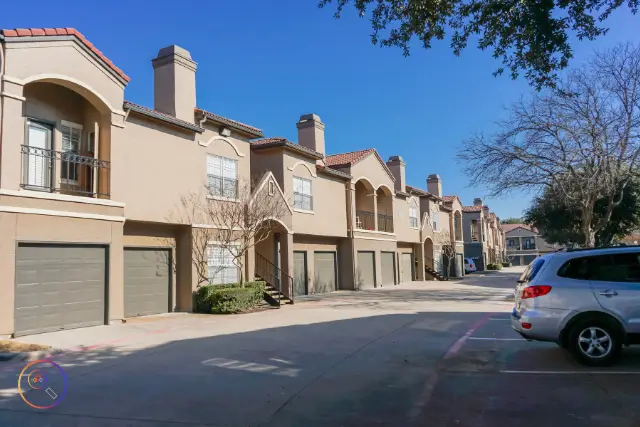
[(608, 293)]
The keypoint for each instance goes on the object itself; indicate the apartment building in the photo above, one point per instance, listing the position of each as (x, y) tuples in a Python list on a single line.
[(485, 240), (524, 244), (90, 183)]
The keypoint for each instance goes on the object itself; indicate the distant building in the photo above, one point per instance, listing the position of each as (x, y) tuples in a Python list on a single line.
[(524, 244)]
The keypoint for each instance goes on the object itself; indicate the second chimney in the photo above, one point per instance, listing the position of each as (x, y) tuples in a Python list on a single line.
[(311, 132), (477, 201), (434, 185), (397, 167), (174, 83)]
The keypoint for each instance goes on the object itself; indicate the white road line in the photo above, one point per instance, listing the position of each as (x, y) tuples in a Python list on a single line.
[(496, 339), (572, 372), (502, 320)]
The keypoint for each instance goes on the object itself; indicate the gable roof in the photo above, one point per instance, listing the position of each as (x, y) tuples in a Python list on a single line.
[(50, 32), (343, 160), (234, 124), (279, 141), (472, 209), (510, 227), (420, 192), (155, 114), (451, 199), (334, 172)]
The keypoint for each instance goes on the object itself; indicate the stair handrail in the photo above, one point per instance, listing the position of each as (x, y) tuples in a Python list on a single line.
[(275, 276)]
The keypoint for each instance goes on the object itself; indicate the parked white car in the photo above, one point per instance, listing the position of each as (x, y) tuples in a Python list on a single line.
[(469, 265)]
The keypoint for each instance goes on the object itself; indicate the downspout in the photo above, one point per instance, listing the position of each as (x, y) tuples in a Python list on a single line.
[(2, 68), (351, 232)]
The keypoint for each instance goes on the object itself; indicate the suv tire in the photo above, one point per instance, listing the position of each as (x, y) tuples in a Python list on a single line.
[(595, 342)]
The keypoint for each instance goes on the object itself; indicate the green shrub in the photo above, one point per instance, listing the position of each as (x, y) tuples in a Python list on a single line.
[(493, 266), (506, 264), (230, 298)]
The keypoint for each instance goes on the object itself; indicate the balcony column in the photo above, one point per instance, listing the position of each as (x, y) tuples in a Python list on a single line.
[(12, 132), (104, 153), (375, 210), (350, 189), (520, 247), (286, 258)]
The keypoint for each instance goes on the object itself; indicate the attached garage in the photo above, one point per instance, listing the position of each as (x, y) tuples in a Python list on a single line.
[(324, 266), (528, 259), (147, 281), (59, 287), (388, 264), (299, 273), (366, 269), (516, 260), (407, 267)]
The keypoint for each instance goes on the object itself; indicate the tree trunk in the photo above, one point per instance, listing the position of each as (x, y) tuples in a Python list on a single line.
[(588, 234)]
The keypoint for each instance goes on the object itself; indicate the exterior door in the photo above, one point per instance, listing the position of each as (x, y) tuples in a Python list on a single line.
[(59, 287), (299, 273), (147, 281), (459, 267), (366, 269), (388, 268), (324, 266), (407, 267), (615, 280), (37, 165)]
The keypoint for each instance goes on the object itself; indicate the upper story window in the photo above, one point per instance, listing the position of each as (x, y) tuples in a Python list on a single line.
[(302, 195), (435, 221), (513, 243), (474, 230), (71, 140), (222, 177), (529, 243), (413, 217)]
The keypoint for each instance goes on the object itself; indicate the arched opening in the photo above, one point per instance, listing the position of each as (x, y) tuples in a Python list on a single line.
[(273, 258), (428, 254), (365, 205), (457, 226), (384, 201), (68, 139)]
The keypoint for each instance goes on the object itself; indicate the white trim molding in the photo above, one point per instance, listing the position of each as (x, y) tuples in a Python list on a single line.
[(210, 226), (12, 96), (375, 231), (313, 174), (220, 138), (374, 238), (60, 197), (304, 211), (67, 214), (13, 80)]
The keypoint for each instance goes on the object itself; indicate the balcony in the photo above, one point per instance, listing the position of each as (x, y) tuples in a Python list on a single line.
[(385, 223), (365, 220), (64, 172)]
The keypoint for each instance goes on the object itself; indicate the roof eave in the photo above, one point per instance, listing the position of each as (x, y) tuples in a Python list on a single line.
[(221, 121), (150, 113), (289, 145)]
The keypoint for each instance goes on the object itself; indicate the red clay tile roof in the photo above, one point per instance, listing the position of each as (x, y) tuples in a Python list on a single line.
[(333, 172), (161, 116), (40, 32), (451, 199), (279, 141), (347, 159), (510, 227), (472, 209), (233, 123)]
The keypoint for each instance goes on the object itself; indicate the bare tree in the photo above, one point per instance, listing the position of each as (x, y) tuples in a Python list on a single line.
[(448, 248), (233, 224), (582, 139)]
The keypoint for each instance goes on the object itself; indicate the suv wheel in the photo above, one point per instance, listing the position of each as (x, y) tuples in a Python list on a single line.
[(594, 342)]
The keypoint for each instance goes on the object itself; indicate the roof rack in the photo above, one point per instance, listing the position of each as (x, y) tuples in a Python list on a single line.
[(618, 245)]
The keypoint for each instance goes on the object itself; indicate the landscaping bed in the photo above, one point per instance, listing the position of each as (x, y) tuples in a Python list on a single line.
[(231, 298), (9, 346)]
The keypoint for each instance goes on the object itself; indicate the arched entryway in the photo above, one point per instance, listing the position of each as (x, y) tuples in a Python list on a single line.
[(67, 140), (428, 253), (384, 204), (274, 258), (365, 205)]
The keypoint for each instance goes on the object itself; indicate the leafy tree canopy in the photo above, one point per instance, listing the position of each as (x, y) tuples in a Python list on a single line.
[(559, 223), (530, 36), (512, 221)]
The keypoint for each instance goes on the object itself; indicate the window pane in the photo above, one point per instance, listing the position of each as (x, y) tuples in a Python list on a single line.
[(214, 166), (230, 169), (297, 185), (306, 187), (626, 267), (575, 269)]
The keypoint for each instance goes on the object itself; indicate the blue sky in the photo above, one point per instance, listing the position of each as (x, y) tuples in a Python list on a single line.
[(267, 62)]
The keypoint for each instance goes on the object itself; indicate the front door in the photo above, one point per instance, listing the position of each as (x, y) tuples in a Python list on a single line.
[(37, 167), (615, 280), (299, 273)]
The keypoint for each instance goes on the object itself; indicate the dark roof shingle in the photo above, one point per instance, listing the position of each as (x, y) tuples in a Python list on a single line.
[(231, 123), (161, 116), (284, 142)]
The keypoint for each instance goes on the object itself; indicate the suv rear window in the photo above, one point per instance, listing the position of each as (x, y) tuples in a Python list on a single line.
[(532, 270)]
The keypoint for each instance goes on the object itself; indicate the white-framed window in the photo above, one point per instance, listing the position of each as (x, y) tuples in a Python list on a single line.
[(222, 177), (221, 267), (302, 195), (38, 157), (435, 221), (413, 216), (71, 134)]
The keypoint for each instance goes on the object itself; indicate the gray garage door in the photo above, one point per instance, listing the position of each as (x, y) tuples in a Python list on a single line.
[(527, 259), (59, 287), (366, 270), (324, 266), (516, 260), (388, 268), (407, 267), (147, 281), (299, 273)]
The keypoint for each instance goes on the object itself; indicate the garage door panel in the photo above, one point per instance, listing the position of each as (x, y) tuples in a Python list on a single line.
[(59, 287), (407, 267), (325, 272), (388, 267), (366, 269), (147, 281)]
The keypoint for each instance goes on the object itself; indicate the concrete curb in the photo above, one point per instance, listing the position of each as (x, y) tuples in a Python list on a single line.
[(29, 356)]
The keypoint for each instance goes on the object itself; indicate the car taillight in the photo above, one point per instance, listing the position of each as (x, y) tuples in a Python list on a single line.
[(535, 291)]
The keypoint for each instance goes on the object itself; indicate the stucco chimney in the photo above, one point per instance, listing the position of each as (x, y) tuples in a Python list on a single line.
[(434, 185), (477, 201), (397, 167), (174, 83), (311, 132)]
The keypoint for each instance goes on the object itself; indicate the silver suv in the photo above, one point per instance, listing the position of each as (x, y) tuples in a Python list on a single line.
[(586, 300)]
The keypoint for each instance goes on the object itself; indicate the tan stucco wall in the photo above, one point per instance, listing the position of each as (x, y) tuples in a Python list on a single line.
[(15, 228), (373, 170), (311, 244), (26, 60), (268, 160), (154, 165), (401, 222), (59, 205), (329, 217)]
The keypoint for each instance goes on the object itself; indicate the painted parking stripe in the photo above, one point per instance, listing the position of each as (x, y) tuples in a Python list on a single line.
[(501, 320), (572, 372), (495, 339)]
